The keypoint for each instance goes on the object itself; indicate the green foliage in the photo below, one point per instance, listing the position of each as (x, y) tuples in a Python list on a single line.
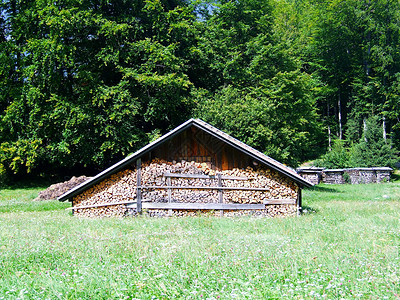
[(373, 150), (256, 91), (346, 178), (87, 80), (338, 157), (3, 175), (269, 118)]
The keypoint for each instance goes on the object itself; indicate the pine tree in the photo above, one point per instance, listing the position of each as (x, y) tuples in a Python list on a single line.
[(373, 150)]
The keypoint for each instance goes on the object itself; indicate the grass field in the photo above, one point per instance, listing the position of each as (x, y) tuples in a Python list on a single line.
[(346, 246)]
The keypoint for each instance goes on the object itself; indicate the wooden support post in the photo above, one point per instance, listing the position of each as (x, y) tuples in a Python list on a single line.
[(220, 193), (299, 201), (169, 195), (139, 186)]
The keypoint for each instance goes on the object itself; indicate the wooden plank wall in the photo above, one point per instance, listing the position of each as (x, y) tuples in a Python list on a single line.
[(196, 145)]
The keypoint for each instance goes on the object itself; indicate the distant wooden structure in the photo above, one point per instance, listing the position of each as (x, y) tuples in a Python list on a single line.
[(342, 176), (312, 174), (195, 167)]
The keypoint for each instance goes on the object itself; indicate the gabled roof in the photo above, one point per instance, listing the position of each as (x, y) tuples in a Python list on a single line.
[(257, 155)]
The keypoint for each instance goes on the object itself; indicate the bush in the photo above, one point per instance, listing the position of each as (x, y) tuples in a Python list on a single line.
[(3, 175), (346, 177), (338, 157)]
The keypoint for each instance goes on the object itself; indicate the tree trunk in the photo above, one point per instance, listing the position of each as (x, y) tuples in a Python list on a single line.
[(329, 127), (365, 129), (329, 138), (384, 128), (340, 117)]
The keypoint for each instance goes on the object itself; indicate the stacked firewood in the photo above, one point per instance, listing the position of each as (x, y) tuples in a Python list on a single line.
[(281, 210), (100, 212), (153, 175), (279, 187), (122, 187)]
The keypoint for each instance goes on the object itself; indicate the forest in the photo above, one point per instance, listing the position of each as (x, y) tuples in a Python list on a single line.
[(84, 83)]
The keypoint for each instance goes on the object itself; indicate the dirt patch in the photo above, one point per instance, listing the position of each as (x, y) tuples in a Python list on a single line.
[(56, 190)]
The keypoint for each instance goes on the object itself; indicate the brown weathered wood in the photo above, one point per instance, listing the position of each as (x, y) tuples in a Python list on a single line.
[(299, 201), (205, 206), (279, 201), (193, 187), (220, 193), (169, 195), (99, 205), (139, 185), (199, 176)]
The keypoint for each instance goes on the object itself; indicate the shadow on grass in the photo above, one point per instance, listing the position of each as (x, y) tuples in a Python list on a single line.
[(26, 184), (325, 189), (395, 176), (307, 210)]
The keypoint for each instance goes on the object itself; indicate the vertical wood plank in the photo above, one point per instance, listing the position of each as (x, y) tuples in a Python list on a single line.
[(220, 193), (185, 144), (225, 165), (169, 195), (139, 185)]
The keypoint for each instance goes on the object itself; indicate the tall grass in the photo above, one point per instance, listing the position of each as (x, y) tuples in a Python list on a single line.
[(346, 245)]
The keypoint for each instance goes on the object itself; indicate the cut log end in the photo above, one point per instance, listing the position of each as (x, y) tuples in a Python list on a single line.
[(250, 186)]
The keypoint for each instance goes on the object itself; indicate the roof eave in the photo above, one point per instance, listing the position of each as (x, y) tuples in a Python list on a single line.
[(123, 163), (198, 123), (298, 179)]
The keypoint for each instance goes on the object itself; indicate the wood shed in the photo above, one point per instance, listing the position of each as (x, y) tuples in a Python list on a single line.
[(193, 168)]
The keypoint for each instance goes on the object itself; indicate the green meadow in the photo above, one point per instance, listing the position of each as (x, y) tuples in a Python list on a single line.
[(345, 245)]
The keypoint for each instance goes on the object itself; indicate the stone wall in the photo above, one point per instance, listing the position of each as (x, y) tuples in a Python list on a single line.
[(121, 187)]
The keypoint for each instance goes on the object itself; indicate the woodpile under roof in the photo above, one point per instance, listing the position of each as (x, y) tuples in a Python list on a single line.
[(193, 168)]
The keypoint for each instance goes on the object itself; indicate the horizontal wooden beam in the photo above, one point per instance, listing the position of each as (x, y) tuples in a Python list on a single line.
[(193, 187), (196, 206), (279, 201), (100, 205), (199, 176), (154, 205)]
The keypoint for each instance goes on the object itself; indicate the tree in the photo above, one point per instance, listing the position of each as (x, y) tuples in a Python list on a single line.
[(373, 150), (88, 80), (256, 91)]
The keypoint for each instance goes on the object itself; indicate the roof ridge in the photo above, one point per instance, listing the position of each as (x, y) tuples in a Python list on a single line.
[(263, 158)]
